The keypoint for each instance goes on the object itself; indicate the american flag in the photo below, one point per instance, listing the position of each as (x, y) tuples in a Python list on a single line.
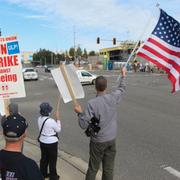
[(163, 48)]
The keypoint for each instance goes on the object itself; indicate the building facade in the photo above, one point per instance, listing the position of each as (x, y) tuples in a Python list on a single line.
[(117, 54), (27, 56)]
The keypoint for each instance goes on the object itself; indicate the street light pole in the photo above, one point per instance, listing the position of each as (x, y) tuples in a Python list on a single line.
[(51, 58), (74, 32)]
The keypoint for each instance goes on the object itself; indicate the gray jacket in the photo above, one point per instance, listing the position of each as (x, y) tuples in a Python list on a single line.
[(104, 107)]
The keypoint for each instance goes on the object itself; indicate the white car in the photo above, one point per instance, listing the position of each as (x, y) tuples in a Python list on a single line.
[(30, 74), (86, 77)]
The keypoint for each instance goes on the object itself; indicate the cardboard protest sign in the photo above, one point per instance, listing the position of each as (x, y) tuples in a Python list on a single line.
[(11, 78), (73, 81)]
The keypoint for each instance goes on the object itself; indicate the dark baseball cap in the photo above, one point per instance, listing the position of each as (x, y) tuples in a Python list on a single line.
[(14, 126)]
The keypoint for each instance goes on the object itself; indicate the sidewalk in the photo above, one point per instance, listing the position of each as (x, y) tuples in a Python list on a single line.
[(68, 166)]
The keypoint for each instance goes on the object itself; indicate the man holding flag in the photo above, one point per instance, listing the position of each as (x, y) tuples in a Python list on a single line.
[(163, 48), (99, 118)]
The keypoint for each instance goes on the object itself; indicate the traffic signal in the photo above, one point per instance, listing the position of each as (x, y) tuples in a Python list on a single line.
[(98, 40), (114, 41)]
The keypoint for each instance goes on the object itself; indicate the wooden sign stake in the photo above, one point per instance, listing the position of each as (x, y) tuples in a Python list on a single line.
[(6, 108)]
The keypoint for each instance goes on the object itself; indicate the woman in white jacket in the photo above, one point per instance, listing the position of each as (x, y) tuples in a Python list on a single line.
[(48, 139)]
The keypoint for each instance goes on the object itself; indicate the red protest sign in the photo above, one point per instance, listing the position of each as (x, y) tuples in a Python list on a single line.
[(11, 78)]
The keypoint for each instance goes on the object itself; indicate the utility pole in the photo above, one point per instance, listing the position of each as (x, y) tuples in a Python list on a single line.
[(74, 32), (51, 58)]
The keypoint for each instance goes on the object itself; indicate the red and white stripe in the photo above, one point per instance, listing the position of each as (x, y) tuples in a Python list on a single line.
[(165, 56)]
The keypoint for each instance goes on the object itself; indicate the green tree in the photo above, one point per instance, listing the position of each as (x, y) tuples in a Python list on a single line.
[(85, 55), (71, 51), (60, 57), (42, 57), (66, 54), (79, 52), (92, 53)]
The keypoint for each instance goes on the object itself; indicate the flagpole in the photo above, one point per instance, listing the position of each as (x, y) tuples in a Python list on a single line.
[(140, 37)]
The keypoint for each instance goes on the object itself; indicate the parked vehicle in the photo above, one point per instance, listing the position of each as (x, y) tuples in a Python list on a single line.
[(48, 68), (86, 77), (30, 74)]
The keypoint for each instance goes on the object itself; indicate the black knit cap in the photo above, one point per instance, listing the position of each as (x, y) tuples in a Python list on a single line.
[(14, 126)]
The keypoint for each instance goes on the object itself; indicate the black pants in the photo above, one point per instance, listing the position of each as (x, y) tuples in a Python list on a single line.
[(49, 158), (101, 153)]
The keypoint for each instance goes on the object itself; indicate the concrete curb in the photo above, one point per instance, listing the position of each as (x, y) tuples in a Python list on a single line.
[(76, 162)]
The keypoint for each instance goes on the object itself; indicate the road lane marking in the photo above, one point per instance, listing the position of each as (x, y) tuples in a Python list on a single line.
[(172, 171), (42, 78), (46, 77), (110, 75)]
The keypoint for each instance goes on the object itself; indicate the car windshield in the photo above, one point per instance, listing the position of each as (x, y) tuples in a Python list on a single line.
[(86, 74), (29, 70)]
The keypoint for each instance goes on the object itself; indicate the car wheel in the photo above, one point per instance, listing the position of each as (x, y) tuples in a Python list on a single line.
[(93, 81)]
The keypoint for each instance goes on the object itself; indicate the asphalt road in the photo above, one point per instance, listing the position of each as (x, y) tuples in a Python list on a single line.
[(148, 145)]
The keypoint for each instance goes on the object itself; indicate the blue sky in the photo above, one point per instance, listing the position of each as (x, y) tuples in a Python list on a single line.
[(50, 23)]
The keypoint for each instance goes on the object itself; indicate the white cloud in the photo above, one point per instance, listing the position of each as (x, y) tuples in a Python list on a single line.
[(111, 16), (92, 14), (101, 13), (35, 17)]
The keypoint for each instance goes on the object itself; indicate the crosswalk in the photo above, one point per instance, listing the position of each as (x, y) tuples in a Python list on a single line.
[(43, 78)]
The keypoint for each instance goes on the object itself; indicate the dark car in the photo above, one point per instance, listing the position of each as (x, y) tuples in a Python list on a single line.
[(48, 68)]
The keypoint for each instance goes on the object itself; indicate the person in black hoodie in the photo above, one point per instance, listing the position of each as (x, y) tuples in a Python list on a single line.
[(13, 164)]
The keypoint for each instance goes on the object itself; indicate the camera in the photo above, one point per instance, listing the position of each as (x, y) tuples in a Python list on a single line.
[(93, 127)]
